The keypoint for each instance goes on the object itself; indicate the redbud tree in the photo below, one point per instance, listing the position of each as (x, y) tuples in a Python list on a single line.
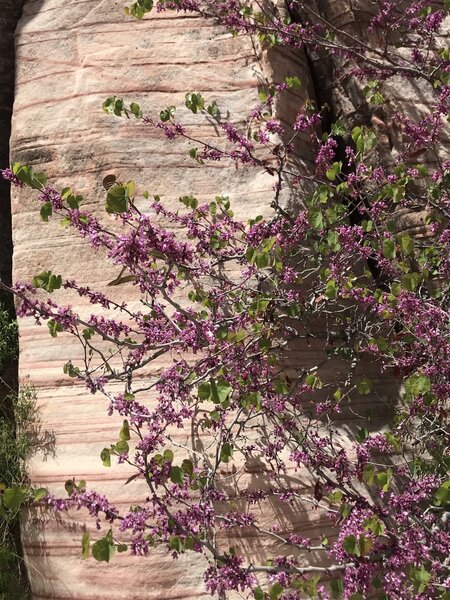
[(334, 266)]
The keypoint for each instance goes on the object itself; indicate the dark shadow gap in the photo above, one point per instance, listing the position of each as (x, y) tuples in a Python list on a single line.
[(13, 581)]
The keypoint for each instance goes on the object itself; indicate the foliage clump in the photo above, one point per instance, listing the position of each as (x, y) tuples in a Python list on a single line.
[(16, 412)]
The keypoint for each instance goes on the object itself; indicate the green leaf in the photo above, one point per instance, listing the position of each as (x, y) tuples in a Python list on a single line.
[(104, 549), (46, 211), (167, 114), (177, 475), (121, 548), (281, 386), (410, 281), (85, 545), (337, 395), (220, 390), (40, 493), (338, 128), (70, 370), (14, 497), (258, 594), (364, 386), (131, 188), (369, 474), (213, 109), (88, 333), (226, 452), (406, 244), (168, 455), (262, 260), (420, 577), (23, 173), (314, 382), (47, 281), (39, 180), (54, 328), (351, 545), (69, 486), (384, 479), (194, 102), (27, 176), (293, 82), (359, 138), (374, 525), (114, 105), (442, 495), (331, 290), (139, 9), (334, 171), (122, 447), (315, 218), (365, 545), (136, 110), (335, 497), (204, 391), (362, 435), (189, 201), (252, 400), (333, 241), (416, 385), (367, 225), (74, 201), (117, 199), (176, 544), (125, 431), (389, 249), (105, 456), (188, 467), (337, 588), (275, 591)]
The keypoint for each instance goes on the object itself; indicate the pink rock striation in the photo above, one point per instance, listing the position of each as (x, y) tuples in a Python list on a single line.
[(69, 58)]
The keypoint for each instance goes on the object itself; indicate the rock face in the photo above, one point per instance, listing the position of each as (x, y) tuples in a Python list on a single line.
[(70, 57)]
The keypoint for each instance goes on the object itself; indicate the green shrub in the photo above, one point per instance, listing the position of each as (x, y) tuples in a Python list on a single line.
[(16, 413)]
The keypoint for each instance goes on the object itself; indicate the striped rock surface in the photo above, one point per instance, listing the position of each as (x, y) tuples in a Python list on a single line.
[(70, 57)]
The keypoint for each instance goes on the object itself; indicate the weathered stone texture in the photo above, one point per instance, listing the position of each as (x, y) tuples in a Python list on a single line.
[(71, 57)]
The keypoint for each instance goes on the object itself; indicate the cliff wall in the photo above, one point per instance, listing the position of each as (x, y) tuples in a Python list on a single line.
[(69, 58)]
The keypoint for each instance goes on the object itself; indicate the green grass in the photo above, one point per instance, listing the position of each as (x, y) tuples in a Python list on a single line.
[(17, 412)]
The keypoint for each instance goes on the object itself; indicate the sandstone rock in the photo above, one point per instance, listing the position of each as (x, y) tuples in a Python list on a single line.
[(69, 59)]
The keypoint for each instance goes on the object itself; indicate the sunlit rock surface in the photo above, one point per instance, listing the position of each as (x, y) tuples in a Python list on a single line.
[(70, 57)]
